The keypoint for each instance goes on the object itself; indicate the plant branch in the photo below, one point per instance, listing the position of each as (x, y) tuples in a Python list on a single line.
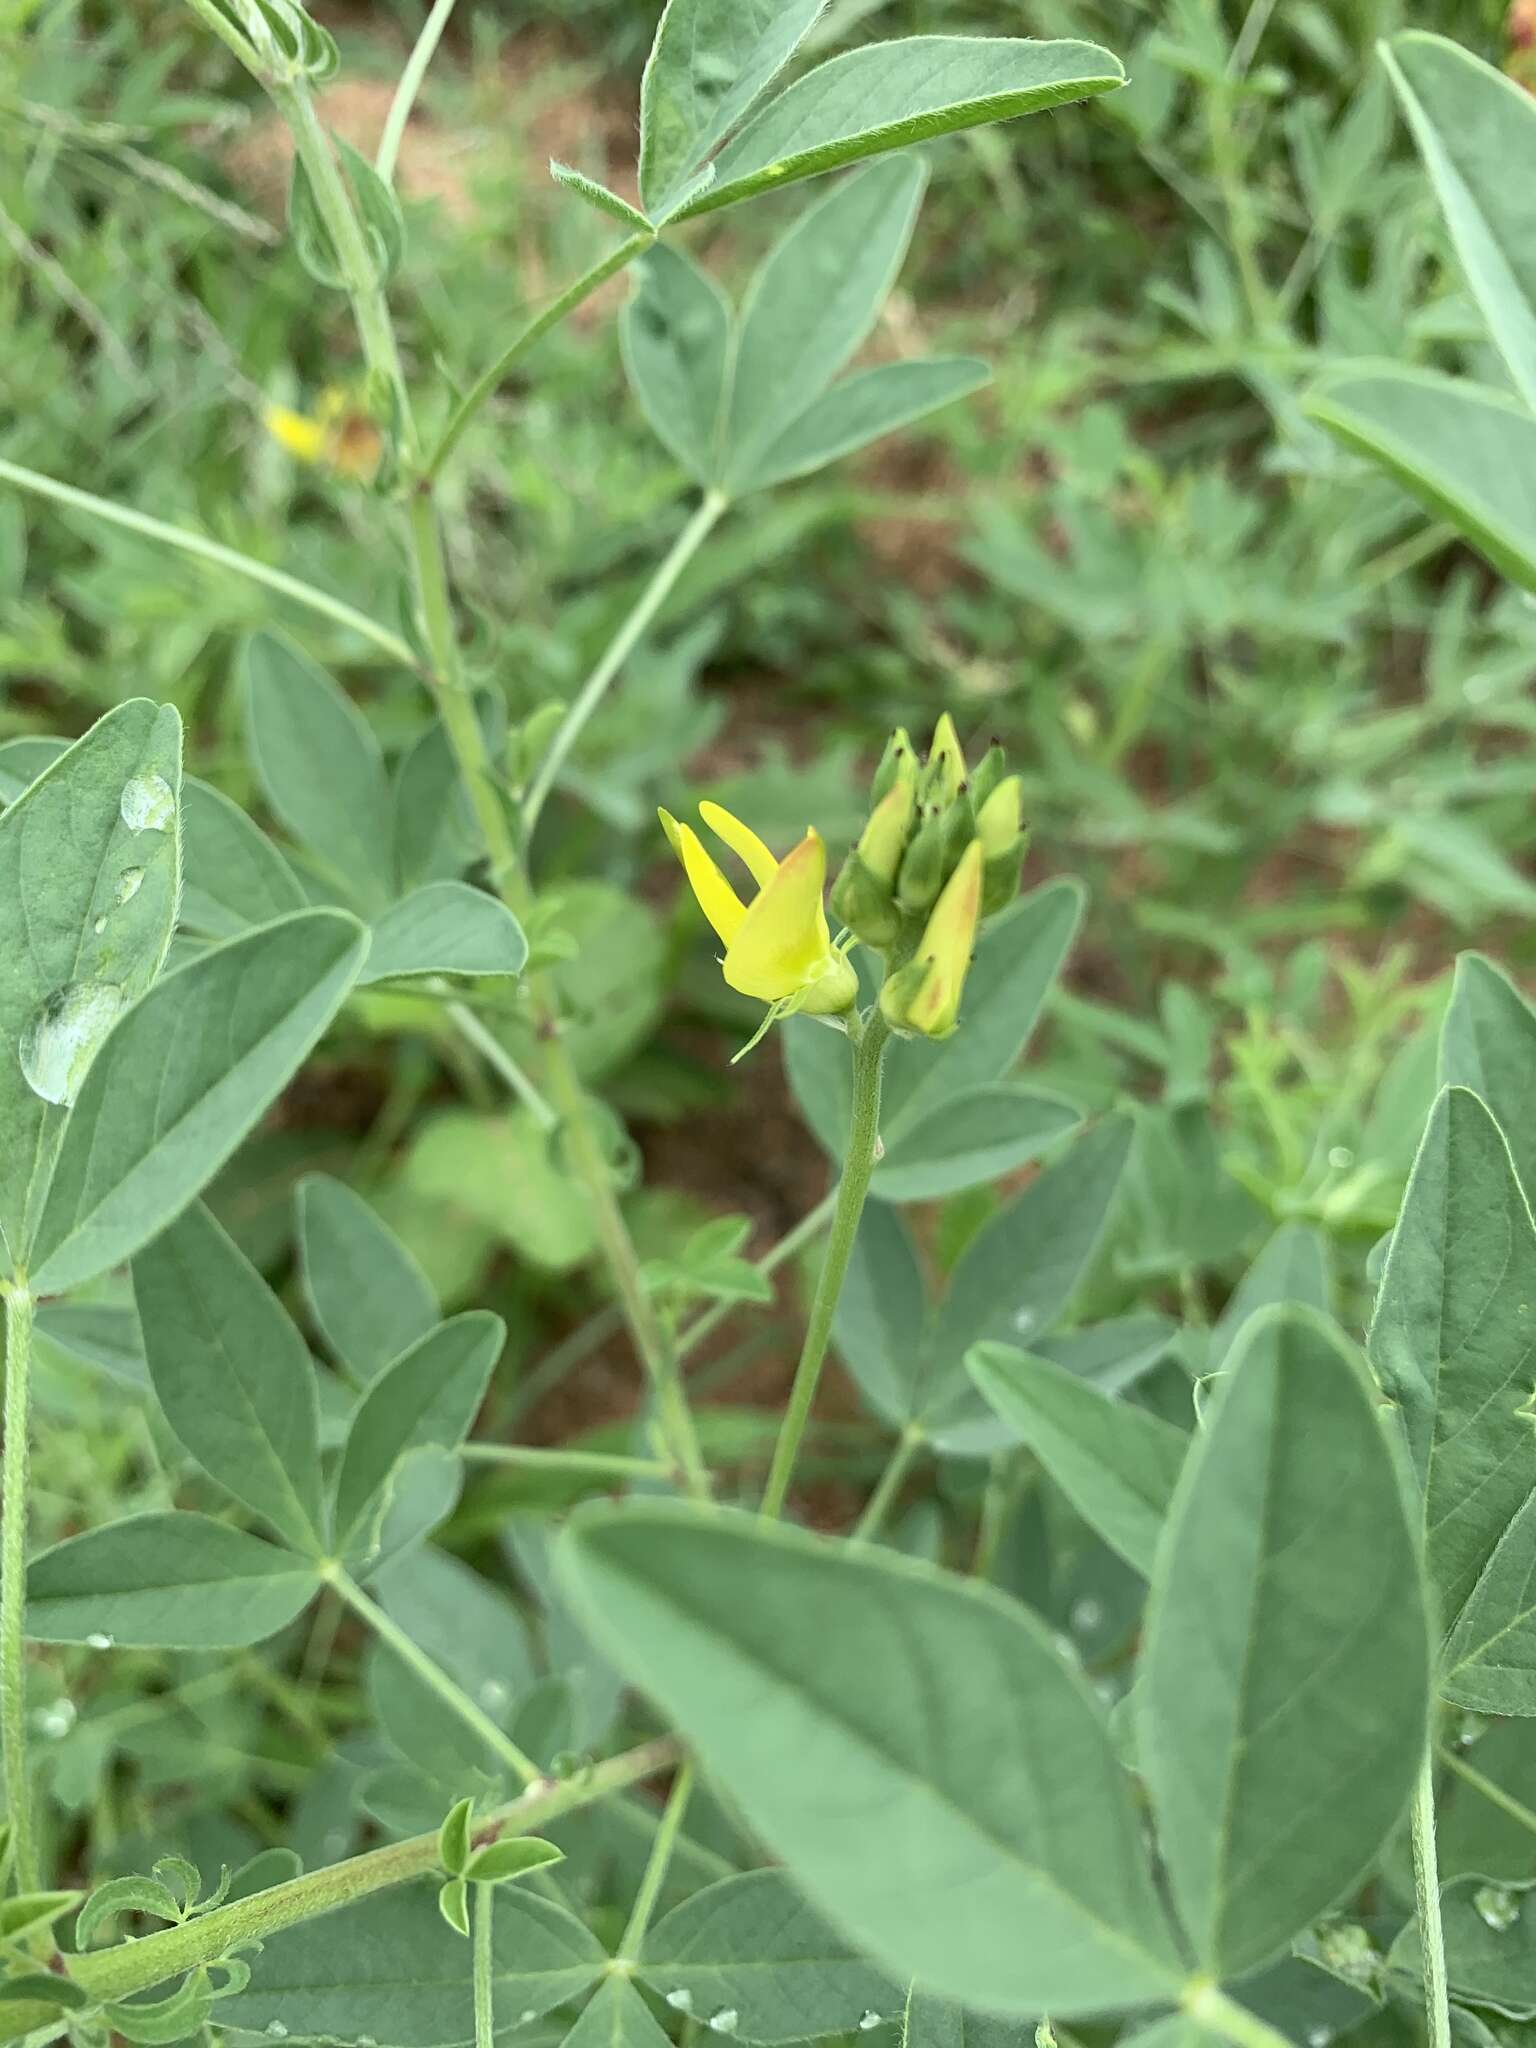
[(432, 1674), (482, 1908), (872, 1521), (858, 1165), (1493, 1793), (618, 651), (657, 1863), (134, 1966), (1209, 2006), (410, 85), (544, 1458), (556, 311), (13, 1579), (196, 544), (1426, 1884)]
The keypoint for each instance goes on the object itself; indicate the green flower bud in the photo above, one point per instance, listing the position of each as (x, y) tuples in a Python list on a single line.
[(884, 839), (922, 868), (864, 904), (945, 773), (989, 773), (924, 996), (897, 764), (1000, 819)]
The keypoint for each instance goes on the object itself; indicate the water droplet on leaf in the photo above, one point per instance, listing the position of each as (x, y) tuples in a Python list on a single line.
[(99, 1640), (1086, 1616), (64, 1035), (277, 2030), (99, 926), (148, 804), (494, 1695), (868, 2021), (1497, 1906), (129, 883), (56, 1720), (724, 2021), (680, 2000)]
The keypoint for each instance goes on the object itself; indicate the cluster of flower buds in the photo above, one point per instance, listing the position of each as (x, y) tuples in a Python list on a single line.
[(941, 851)]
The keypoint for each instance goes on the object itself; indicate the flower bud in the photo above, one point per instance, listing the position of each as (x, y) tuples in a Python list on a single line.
[(1000, 818), (989, 773), (884, 839), (863, 896), (924, 996), (897, 764), (945, 772), (922, 867)]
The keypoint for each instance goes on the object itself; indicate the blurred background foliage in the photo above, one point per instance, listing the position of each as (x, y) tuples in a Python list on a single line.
[(1275, 719)]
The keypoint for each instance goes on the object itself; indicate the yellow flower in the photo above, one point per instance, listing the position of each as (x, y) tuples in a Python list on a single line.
[(305, 439), (341, 437), (925, 994), (778, 948)]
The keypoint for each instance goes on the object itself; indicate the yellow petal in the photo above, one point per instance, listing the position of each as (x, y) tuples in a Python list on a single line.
[(670, 826), (743, 842), (946, 947), (303, 438), (717, 899), (783, 942)]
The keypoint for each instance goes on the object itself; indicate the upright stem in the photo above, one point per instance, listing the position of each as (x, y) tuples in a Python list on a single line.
[(453, 1696), (410, 84), (872, 1521), (858, 1165), (656, 1866), (618, 651), (482, 1906), (13, 1579), (1426, 1882)]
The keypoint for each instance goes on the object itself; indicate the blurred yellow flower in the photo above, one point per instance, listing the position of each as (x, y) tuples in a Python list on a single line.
[(342, 436), (778, 948)]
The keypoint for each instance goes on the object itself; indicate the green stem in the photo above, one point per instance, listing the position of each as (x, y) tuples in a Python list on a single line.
[(858, 1165), (1495, 1794), (1209, 2006), (618, 651), (872, 1521), (410, 85), (13, 1579), (483, 1908), (134, 1966), (573, 295), (657, 1864), (539, 1458), (1426, 1884), (187, 543), (496, 1057), (432, 1674)]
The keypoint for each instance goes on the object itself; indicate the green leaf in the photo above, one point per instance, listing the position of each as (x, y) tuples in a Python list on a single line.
[(1476, 131), (1466, 452), (1292, 1267), (931, 2022), (1489, 1661), (752, 1947), (429, 1396), (973, 1138), (435, 836), (1488, 1044), (453, 1838), (675, 335), (860, 409), (954, 1803), (379, 209), (389, 1967), (1117, 1464), (89, 875), (29, 1913), (1490, 1946), (597, 195), (891, 95), (235, 876), (166, 1582), (518, 1856), (232, 1374), (124, 1895), (1452, 1341), (156, 2022), (813, 302), (464, 1622), (445, 928), (369, 1298), (320, 765), (453, 1904), (1283, 1696), (710, 62), (178, 1083), (616, 2016), (47, 1987)]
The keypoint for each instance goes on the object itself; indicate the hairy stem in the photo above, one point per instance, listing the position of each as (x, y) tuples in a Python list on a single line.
[(432, 1674), (482, 1906), (556, 311), (858, 1165), (133, 1966), (13, 1579), (657, 1864), (618, 651), (1426, 1884)]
